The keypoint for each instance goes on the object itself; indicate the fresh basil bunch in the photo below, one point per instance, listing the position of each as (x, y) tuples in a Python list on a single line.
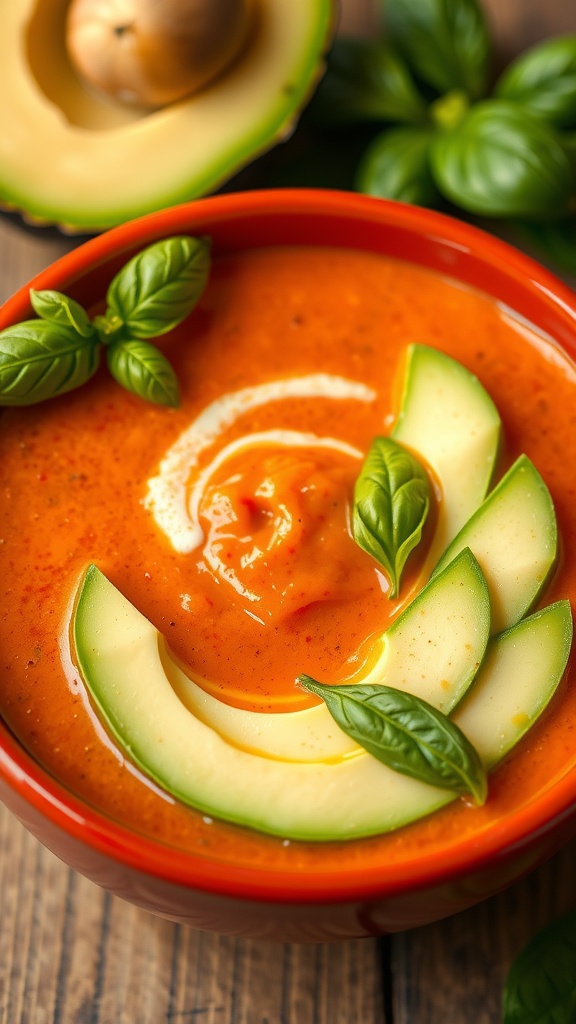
[(449, 134), (149, 296)]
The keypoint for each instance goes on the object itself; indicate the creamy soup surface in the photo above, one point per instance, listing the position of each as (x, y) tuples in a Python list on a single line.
[(263, 581)]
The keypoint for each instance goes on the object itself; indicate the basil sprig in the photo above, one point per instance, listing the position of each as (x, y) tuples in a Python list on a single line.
[(428, 126), (149, 296), (391, 503), (541, 984), (405, 733)]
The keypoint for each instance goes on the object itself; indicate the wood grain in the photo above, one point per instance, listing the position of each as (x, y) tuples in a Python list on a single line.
[(71, 954), (454, 971)]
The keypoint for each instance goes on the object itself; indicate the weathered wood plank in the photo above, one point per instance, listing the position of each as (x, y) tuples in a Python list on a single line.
[(24, 253), (71, 954), (455, 970)]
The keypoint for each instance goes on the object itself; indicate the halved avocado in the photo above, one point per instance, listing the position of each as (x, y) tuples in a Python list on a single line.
[(68, 157)]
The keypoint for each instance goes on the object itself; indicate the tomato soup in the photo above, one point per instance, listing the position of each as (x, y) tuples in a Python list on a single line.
[(286, 345)]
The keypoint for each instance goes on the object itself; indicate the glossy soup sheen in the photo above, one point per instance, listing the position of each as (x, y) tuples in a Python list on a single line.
[(74, 475)]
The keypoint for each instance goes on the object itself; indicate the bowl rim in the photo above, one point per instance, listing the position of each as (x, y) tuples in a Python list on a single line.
[(32, 784)]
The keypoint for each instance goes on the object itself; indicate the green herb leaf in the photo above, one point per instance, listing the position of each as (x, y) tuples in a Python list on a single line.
[(365, 81), (391, 503), (60, 309), (40, 359), (502, 161), (406, 734), (142, 369), (446, 42), (160, 286), (543, 81), (541, 984), (396, 166)]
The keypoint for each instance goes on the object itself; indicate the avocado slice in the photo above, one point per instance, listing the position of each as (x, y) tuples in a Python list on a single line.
[(432, 650), (515, 539), (449, 420), (355, 795), (528, 659), (108, 164)]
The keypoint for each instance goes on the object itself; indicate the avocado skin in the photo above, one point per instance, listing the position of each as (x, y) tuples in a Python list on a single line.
[(109, 164)]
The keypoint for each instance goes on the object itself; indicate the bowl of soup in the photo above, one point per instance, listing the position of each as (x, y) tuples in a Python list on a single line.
[(290, 659)]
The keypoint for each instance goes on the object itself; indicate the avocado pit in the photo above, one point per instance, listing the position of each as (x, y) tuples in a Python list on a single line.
[(150, 53)]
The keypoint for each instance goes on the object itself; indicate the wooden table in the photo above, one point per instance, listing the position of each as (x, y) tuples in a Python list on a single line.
[(71, 954)]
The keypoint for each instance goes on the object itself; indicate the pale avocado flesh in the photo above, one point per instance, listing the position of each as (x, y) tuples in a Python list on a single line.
[(306, 780), (432, 650), (451, 422), (70, 159), (515, 539), (118, 654)]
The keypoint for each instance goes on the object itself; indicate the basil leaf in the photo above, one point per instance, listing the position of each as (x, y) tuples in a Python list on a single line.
[(160, 286), (61, 309), (543, 80), (40, 359), (142, 369), (446, 42), (149, 296), (396, 166), (364, 81), (391, 503), (541, 984), (406, 733), (501, 161)]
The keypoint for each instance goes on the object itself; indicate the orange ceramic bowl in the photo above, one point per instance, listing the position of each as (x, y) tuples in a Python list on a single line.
[(296, 904)]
